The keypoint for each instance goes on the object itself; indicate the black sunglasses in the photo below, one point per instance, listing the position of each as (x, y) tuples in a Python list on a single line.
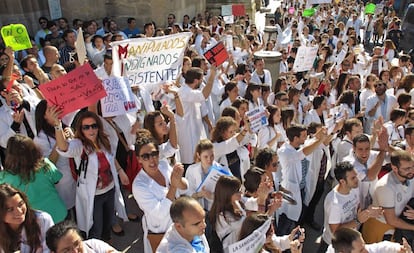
[(153, 154), (87, 127)]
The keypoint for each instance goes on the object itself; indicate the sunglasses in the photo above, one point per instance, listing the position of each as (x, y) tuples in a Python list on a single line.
[(377, 85), (153, 154), (275, 165), (87, 127)]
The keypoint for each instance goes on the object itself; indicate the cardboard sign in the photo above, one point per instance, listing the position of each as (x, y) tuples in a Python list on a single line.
[(257, 118), (304, 58), (370, 8), (16, 37), (154, 60), (119, 98), (308, 12), (226, 10), (217, 54), (238, 10), (252, 243), (80, 47), (75, 90)]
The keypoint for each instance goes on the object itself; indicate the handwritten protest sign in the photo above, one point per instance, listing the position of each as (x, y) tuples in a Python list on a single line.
[(257, 118), (16, 37), (149, 60), (77, 89), (252, 243), (214, 173), (217, 54), (304, 58), (119, 98)]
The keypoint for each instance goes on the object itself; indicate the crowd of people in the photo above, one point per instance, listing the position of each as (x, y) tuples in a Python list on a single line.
[(345, 126)]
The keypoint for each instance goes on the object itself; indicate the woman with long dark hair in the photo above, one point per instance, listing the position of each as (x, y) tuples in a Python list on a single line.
[(23, 229), (46, 141), (98, 193), (26, 169)]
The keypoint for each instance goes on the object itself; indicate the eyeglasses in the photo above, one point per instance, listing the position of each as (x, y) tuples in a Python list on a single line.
[(87, 127), (153, 154)]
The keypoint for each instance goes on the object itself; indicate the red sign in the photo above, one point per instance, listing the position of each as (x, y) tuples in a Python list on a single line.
[(238, 10), (75, 90), (217, 54)]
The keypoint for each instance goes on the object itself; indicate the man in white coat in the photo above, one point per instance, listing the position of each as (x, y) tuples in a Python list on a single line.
[(190, 127), (186, 234)]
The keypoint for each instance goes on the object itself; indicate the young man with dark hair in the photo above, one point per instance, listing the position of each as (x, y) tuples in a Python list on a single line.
[(347, 240), (131, 30), (186, 234), (392, 192), (67, 53), (368, 163), (342, 205), (292, 157)]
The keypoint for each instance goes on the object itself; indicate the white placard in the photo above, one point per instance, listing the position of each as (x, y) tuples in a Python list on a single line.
[(305, 58), (80, 47), (257, 118), (54, 9), (119, 99), (214, 173)]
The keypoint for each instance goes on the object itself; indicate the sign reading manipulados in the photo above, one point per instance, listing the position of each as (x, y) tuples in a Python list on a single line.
[(16, 37), (149, 60), (75, 90), (119, 99)]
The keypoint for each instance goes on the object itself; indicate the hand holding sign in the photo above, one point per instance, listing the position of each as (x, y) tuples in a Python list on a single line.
[(16, 37)]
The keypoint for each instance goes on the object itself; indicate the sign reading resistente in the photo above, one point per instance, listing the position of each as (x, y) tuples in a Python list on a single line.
[(75, 90), (149, 60)]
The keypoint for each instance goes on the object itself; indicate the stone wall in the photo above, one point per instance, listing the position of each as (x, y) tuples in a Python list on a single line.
[(28, 11)]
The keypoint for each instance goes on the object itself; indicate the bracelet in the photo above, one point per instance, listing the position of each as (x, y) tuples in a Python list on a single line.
[(176, 96), (58, 127), (357, 222), (118, 169)]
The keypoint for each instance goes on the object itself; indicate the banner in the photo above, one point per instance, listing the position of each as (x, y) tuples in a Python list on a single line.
[(304, 58), (370, 8), (252, 243), (16, 37), (75, 90), (217, 54), (119, 98), (153, 60)]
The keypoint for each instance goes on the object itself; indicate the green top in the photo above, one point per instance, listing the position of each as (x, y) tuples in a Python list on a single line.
[(41, 190)]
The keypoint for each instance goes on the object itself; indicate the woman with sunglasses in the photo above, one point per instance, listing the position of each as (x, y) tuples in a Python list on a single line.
[(97, 193), (23, 229), (157, 184)]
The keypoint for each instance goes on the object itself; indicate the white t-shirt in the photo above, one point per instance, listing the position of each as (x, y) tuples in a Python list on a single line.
[(339, 209)]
